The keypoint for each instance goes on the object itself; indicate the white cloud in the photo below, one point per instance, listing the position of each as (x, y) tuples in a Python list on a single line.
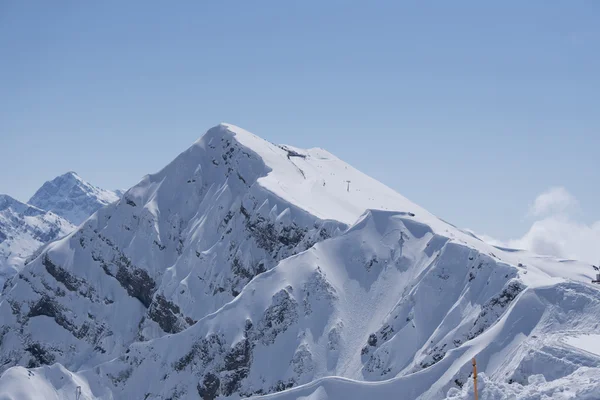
[(563, 237), (555, 231), (553, 201)]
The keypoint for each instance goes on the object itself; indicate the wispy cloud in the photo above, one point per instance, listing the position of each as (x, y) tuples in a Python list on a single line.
[(555, 230), (554, 201)]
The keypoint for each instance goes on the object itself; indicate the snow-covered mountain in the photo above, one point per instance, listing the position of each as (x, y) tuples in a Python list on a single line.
[(72, 198), (55, 210), (23, 229), (245, 268)]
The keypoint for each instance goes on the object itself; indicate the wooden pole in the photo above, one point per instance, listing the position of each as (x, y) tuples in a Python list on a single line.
[(475, 379)]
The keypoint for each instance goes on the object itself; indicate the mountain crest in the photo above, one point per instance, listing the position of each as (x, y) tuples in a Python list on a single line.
[(72, 198), (23, 229), (8, 201), (16, 206)]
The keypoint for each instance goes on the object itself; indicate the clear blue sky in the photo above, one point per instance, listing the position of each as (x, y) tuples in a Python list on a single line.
[(469, 109)]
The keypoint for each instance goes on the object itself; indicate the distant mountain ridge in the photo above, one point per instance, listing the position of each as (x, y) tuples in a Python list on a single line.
[(72, 198), (54, 211), (23, 229)]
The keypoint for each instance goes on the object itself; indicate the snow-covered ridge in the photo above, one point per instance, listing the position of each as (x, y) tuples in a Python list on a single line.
[(55, 210), (389, 298), (23, 229), (245, 268), (317, 181), (177, 246), (72, 198)]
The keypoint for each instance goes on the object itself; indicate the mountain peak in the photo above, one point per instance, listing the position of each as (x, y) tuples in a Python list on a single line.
[(71, 197), (7, 198), (7, 201), (69, 175), (313, 179), (225, 131), (17, 206)]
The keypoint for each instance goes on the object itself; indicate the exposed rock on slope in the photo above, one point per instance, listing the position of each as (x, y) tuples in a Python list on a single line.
[(390, 298), (178, 246), (52, 212), (23, 229)]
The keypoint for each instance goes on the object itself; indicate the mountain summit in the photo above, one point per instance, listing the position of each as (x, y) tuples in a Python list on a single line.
[(72, 198), (245, 268)]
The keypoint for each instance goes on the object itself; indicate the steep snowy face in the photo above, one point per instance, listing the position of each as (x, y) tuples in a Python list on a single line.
[(52, 212), (72, 198), (391, 298), (23, 229), (176, 247)]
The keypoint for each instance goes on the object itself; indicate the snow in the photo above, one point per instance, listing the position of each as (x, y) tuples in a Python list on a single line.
[(49, 383), (23, 230), (583, 384), (320, 181), (72, 198), (590, 343), (55, 210), (245, 268)]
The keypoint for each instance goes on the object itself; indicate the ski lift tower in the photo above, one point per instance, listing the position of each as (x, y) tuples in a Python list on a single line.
[(597, 280), (348, 188)]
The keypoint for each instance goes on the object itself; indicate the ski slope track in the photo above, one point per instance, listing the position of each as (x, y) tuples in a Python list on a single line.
[(248, 269)]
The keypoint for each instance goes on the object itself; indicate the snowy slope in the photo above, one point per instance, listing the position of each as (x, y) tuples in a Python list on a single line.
[(55, 210), (176, 247), (23, 229), (72, 198), (389, 299), (245, 268), (49, 383)]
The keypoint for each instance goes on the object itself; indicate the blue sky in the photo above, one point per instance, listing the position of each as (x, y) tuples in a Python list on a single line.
[(469, 109)]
